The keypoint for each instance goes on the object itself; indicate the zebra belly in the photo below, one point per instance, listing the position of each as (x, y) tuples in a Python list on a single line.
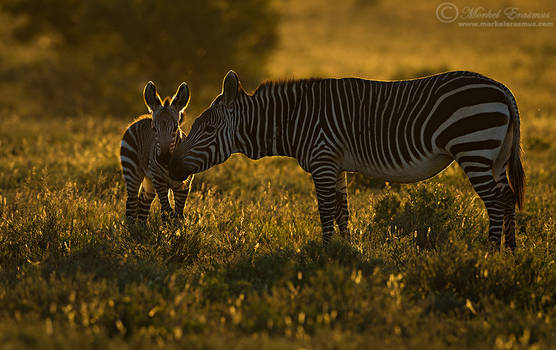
[(415, 171)]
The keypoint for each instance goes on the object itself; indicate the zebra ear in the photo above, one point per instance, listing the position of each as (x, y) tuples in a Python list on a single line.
[(230, 88), (152, 100), (181, 98)]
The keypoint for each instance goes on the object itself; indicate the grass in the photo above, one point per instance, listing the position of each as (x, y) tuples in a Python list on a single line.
[(245, 269)]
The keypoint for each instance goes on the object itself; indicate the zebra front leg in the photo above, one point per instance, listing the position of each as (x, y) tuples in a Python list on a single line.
[(132, 184), (180, 197), (342, 209), (325, 186), (162, 193), (146, 196)]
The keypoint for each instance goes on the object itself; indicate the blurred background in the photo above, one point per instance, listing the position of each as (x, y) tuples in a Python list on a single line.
[(68, 57), (74, 58)]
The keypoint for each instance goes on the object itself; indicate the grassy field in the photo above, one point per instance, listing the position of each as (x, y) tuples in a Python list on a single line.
[(245, 269)]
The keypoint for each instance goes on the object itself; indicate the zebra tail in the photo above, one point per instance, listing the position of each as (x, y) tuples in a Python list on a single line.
[(516, 174)]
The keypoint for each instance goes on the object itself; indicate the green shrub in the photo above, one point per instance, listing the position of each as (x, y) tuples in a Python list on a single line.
[(429, 213)]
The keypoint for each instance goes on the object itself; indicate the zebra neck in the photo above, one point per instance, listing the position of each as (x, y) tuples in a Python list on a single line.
[(262, 125)]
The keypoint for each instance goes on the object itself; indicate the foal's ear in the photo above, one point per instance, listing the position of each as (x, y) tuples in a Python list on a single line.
[(230, 88), (152, 100), (181, 98)]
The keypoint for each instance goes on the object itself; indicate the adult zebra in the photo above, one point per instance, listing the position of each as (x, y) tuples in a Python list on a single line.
[(402, 131), (144, 153)]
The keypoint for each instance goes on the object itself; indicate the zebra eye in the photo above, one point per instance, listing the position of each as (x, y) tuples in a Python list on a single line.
[(210, 129)]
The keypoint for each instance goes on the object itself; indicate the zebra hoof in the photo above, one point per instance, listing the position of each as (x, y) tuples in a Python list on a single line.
[(134, 221), (346, 235), (511, 246), (177, 216), (495, 246)]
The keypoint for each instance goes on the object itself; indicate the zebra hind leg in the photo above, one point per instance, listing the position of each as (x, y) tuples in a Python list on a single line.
[(483, 182), (342, 209), (509, 220), (491, 197), (509, 202)]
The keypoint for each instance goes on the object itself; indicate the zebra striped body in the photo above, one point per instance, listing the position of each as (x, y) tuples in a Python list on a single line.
[(145, 149), (402, 131)]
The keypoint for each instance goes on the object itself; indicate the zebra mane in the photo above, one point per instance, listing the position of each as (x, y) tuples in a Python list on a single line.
[(167, 101), (284, 82)]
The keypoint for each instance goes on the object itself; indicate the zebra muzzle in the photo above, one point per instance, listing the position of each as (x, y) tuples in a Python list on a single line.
[(178, 170), (164, 157)]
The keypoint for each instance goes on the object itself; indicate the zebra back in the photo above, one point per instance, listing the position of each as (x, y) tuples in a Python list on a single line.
[(136, 145)]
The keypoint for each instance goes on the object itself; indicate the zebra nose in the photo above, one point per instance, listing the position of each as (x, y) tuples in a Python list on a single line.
[(164, 157)]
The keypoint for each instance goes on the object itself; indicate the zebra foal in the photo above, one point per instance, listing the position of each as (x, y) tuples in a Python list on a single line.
[(400, 131), (145, 150)]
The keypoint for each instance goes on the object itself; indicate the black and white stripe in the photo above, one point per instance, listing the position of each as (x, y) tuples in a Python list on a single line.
[(401, 131), (146, 147)]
